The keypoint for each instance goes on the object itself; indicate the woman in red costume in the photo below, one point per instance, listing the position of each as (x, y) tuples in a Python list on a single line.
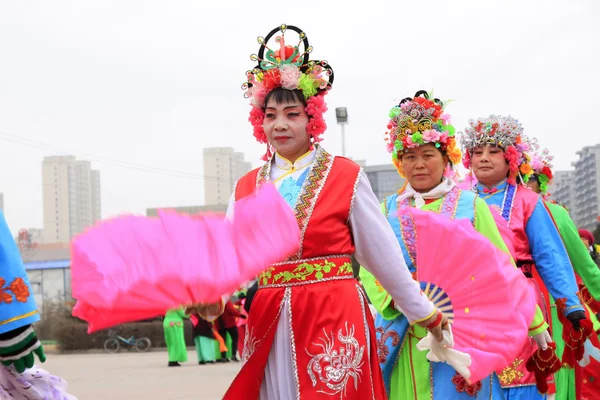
[(310, 334)]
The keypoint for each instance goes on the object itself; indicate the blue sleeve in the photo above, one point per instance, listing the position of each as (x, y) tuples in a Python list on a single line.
[(551, 258), (17, 304)]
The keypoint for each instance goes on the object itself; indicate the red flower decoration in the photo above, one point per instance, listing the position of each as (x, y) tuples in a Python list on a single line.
[(467, 160), (512, 157), (272, 79), (429, 104), (548, 172), (462, 386), (289, 50)]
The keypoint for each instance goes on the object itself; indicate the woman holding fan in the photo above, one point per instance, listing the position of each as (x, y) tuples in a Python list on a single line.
[(310, 334), (424, 151)]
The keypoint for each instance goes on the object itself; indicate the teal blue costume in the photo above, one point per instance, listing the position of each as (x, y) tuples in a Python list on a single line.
[(18, 310)]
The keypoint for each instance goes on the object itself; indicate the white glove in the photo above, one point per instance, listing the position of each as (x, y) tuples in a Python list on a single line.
[(589, 351), (443, 352), (542, 339)]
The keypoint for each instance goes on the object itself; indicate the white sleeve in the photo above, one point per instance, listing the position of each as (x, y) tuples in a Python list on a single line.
[(230, 207), (378, 251)]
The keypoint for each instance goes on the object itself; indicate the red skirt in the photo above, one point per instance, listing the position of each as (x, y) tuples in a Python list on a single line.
[(332, 336)]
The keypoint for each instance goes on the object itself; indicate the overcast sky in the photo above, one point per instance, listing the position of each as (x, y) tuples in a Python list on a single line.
[(139, 88)]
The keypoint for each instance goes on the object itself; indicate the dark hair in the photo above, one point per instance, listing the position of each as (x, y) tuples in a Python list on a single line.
[(281, 96), (422, 93)]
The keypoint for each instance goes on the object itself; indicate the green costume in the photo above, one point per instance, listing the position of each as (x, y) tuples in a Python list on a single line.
[(589, 272), (175, 335), (410, 378)]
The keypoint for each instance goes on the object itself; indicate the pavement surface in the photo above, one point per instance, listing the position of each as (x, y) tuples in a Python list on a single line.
[(125, 376)]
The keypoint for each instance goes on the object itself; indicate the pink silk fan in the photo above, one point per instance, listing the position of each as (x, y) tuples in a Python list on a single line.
[(134, 268), (485, 297)]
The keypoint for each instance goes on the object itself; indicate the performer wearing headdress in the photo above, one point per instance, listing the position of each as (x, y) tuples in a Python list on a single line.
[(424, 151), (586, 273), (495, 149), (310, 333), (588, 240), (19, 377)]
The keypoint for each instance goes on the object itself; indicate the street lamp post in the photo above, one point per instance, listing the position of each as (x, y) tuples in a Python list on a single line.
[(341, 114)]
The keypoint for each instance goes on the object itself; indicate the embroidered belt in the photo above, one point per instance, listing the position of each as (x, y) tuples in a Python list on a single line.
[(307, 271)]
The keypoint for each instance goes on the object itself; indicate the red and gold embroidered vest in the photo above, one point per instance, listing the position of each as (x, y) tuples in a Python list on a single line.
[(323, 206)]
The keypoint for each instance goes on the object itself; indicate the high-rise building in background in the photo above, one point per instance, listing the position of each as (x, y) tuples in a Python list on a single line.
[(562, 189), (96, 196), (71, 194), (384, 179), (587, 187), (222, 168), (579, 189)]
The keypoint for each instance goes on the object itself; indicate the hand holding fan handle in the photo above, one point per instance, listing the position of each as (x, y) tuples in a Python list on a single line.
[(436, 324)]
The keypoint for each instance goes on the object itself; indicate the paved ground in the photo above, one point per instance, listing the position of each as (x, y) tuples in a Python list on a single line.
[(126, 376)]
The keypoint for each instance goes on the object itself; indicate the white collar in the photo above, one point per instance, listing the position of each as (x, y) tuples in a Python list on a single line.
[(302, 162), (440, 190)]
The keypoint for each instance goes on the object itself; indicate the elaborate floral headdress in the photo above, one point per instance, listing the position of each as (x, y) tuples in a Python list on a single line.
[(541, 163), (288, 67), (506, 133), (418, 121)]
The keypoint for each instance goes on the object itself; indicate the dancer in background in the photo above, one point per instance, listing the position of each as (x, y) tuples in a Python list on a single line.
[(175, 337), (588, 240), (227, 326), (204, 339), (20, 379), (241, 322), (310, 334), (495, 150)]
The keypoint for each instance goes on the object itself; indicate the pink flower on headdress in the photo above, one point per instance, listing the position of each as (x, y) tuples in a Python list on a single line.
[(537, 164), (443, 137), (521, 147), (256, 118), (316, 127), (258, 94), (467, 160), (290, 75), (315, 106), (431, 136), (390, 146), (446, 118)]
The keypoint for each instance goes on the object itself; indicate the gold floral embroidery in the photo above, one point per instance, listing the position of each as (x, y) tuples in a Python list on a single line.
[(19, 289), (305, 272), (511, 374), (335, 367)]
